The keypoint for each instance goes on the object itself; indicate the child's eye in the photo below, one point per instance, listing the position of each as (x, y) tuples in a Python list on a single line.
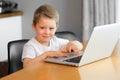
[(51, 28), (41, 27)]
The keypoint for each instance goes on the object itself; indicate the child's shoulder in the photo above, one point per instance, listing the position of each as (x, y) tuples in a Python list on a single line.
[(31, 41)]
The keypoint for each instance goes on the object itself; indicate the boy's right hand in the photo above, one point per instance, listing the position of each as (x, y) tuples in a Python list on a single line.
[(55, 54)]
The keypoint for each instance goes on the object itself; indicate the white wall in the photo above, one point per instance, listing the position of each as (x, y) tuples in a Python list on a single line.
[(10, 29)]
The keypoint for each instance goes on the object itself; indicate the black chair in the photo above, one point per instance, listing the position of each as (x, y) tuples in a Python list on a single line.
[(67, 35), (14, 55)]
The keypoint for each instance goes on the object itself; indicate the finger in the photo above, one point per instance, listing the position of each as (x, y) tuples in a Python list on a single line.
[(63, 54), (70, 49), (64, 50), (75, 50)]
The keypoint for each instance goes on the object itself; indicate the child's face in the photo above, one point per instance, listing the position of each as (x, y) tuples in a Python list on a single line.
[(45, 29)]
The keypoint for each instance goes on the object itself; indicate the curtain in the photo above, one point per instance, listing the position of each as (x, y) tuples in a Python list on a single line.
[(97, 12)]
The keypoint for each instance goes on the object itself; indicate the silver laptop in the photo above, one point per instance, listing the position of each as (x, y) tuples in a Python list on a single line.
[(100, 45)]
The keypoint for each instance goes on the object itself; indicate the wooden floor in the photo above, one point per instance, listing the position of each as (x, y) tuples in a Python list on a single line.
[(3, 69)]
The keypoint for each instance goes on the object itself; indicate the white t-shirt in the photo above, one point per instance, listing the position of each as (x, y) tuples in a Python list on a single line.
[(33, 48)]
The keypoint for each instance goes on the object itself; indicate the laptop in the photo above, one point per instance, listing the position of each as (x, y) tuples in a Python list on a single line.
[(100, 45)]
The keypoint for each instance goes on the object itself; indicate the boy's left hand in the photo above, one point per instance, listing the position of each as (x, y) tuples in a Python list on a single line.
[(73, 46)]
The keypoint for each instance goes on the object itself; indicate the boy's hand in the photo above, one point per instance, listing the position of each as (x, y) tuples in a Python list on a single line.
[(73, 46), (55, 54)]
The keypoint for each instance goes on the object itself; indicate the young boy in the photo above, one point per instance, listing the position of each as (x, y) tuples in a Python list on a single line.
[(45, 43)]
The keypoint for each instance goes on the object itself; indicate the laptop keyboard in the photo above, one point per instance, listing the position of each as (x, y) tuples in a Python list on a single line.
[(75, 59)]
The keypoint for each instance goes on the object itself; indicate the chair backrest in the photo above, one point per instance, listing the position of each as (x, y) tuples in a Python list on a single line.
[(14, 55), (67, 35)]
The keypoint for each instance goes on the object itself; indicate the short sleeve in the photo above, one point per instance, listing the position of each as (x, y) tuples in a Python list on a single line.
[(28, 52)]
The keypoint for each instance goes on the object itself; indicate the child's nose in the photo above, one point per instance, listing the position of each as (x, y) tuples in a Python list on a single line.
[(47, 31)]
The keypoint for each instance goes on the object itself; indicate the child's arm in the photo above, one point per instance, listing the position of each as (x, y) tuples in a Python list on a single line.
[(28, 61)]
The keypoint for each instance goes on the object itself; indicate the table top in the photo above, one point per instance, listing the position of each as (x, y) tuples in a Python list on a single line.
[(105, 69)]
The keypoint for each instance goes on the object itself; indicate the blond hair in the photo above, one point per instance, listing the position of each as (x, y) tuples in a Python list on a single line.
[(46, 11)]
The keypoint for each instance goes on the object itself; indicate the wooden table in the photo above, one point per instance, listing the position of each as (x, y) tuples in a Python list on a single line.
[(106, 69)]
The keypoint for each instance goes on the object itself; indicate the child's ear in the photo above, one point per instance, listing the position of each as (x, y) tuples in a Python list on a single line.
[(57, 26), (33, 26)]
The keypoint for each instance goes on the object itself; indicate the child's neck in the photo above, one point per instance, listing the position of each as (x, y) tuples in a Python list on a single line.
[(45, 44)]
